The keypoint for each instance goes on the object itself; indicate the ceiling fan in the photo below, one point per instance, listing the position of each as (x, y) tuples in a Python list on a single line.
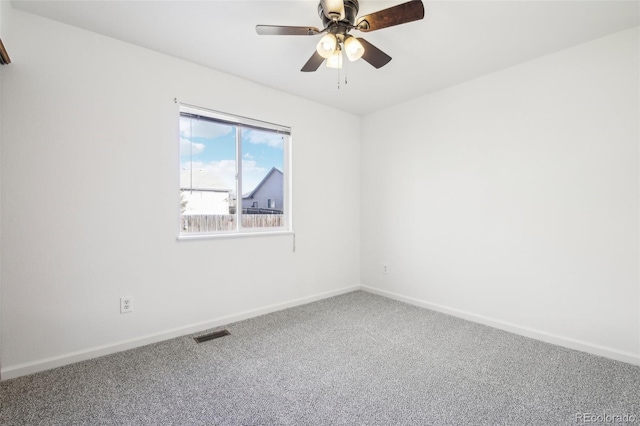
[(339, 18)]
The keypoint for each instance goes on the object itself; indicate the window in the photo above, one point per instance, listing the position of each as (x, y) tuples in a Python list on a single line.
[(230, 166)]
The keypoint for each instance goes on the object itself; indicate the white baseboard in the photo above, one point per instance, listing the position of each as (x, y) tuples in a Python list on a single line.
[(83, 355), (73, 357), (555, 339)]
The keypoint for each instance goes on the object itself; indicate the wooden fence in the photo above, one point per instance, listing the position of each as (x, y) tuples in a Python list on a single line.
[(226, 222)]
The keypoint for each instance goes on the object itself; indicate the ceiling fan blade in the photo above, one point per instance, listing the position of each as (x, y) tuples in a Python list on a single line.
[(313, 63), (333, 8), (284, 30), (373, 55), (396, 15)]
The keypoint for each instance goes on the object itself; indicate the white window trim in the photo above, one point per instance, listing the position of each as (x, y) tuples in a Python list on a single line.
[(226, 235)]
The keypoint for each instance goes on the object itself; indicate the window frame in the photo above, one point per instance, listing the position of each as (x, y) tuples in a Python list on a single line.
[(242, 123)]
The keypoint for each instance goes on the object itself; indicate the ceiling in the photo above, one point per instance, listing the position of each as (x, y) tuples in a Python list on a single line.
[(455, 42)]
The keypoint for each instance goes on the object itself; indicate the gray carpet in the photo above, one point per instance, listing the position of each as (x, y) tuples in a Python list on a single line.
[(355, 359)]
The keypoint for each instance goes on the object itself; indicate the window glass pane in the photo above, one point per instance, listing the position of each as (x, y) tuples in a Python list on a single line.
[(262, 178), (207, 176)]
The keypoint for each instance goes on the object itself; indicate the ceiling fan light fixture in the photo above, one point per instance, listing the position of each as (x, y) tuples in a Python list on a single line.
[(334, 9), (327, 46), (339, 17), (335, 60), (353, 48)]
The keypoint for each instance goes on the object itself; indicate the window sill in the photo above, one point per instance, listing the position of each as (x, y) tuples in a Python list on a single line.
[(195, 237)]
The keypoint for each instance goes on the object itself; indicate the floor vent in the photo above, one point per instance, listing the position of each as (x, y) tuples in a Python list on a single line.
[(211, 336)]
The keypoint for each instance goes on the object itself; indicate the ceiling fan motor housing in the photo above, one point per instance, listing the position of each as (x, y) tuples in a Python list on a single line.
[(350, 12)]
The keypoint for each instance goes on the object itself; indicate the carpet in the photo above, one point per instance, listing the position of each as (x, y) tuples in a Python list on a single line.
[(354, 359)]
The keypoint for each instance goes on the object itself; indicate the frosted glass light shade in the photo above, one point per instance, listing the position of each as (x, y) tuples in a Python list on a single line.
[(334, 9), (335, 61), (327, 45), (353, 48)]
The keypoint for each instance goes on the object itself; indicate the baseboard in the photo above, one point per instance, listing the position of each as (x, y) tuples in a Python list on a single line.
[(73, 357), (555, 339), (98, 351)]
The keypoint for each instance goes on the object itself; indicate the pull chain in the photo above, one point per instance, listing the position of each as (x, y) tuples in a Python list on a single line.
[(346, 72)]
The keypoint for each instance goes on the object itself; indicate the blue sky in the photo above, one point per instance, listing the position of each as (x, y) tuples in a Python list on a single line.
[(210, 149)]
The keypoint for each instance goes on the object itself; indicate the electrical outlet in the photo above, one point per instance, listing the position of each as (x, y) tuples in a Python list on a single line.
[(385, 268), (126, 304)]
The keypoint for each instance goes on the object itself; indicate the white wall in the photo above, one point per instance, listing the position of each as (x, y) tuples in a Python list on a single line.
[(90, 201), (512, 199), (3, 16)]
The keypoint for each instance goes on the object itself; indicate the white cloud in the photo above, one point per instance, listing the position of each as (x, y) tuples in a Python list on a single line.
[(252, 175), (187, 147), (273, 140), (214, 175), (221, 175)]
